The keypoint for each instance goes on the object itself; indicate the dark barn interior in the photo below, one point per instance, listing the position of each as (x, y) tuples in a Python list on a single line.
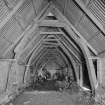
[(52, 52)]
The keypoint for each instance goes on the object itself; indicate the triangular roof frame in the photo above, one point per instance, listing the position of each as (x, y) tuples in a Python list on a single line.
[(83, 44), (56, 12)]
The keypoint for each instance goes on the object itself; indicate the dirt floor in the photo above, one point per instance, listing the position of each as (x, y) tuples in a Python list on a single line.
[(48, 94)]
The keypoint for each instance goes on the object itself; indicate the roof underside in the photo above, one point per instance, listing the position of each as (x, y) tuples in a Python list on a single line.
[(87, 16)]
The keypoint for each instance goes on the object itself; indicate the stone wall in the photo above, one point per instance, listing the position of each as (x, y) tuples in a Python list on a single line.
[(4, 73), (102, 72), (11, 75)]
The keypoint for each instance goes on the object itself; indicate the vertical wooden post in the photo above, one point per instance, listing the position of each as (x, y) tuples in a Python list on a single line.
[(81, 76), (99, 71)]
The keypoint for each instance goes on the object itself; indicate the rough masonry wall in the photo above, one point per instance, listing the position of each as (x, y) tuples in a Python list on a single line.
[(103, 71), (4, 73)]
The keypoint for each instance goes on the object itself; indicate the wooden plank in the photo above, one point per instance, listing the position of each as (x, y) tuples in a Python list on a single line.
[(28, 34), (98, 42), (52, 23), (71, 48), (93, 18), (64, 57), (72, 30), (70, 42), (102, 54), (50, 39), (51, 33), (71, 59), (90, 66), (25, 31), (61, 45), (9, 49), (50, 44), (39, 5), (25, 15), (12, 13), (81, 76), (71, 27)]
